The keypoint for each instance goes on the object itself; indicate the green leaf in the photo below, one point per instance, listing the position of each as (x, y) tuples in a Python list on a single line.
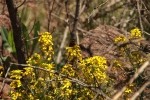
[(35, 38), (11, 41), (24, 14), (4, 34), (6, 45), (26, 38)]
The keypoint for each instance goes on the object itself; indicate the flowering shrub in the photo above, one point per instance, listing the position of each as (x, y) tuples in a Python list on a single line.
[(79, 78), (73, 80)]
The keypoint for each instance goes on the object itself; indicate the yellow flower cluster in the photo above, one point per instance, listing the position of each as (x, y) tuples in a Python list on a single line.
[(46, 44), (135, 33), (95, 67), (73, 53), (16, 75), (128, 90), (66, 85), (137, 58), (28, 71), (117, 63), (47, 66), (68, 70), (120, 39), (15, 95), (34, 59)]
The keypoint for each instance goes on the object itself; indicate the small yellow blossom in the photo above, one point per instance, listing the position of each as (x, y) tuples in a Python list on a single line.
[(41, 79), (120, 39), (135, 33), (28, 71), (66, 84), (116, 63), (95, 67), (16, 74), (73, 53), (46, 44), (31, 96), (65, 89), (34, 59), (47, 66), (15, 95), (128, 90), (68, 70), (15, 83)]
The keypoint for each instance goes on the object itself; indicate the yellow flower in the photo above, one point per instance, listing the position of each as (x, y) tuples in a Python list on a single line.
[(135, 33), (66, 84), (34, 59), (120, 39), (15, 95), (128, 90), (46, 44), (116, 63), (15, 83), (47, 66), (16, 74), (73, 53), (28, 71), (65, 89), (68, 70), (94, 67), (31, 96)]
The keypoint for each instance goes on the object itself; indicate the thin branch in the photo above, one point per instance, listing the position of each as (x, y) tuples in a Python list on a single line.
[(49, 13), (136, 94), (7, 80), (139, 14), (73, 32), (139, 71), (96, 10), (62, 45), (21, 4), (4, 80)]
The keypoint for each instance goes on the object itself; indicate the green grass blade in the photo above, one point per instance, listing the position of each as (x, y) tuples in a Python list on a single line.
[(35, 40), (26, 38), (6, 45)]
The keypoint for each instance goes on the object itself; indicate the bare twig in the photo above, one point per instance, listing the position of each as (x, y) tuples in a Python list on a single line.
[(139, 71), (4, 80), (95, 97), (136, 94), (21, 4), (62, 45), (49, 13), (7, 80), (139, 13), (96, 10), (73, 32), (146, 33), (82, 8)]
